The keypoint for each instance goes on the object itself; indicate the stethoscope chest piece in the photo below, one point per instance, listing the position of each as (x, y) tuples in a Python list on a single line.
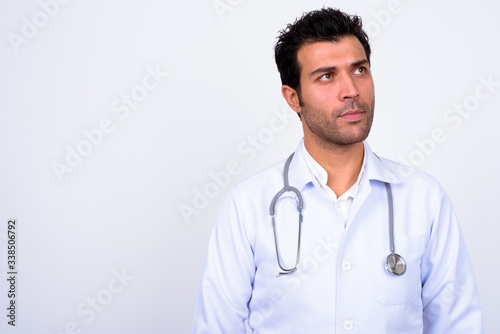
[(396, 265)]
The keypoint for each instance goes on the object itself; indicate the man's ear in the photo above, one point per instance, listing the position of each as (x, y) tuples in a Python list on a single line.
[(292, 98)]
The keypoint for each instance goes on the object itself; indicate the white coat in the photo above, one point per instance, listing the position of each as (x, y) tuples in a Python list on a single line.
[(343, 286)]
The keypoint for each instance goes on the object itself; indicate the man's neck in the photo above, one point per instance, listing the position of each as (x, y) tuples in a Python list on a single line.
[(342, 163)]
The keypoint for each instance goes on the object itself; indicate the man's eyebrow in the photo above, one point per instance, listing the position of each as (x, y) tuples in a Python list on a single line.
[(323, 70), (359, 63), (333, 68)]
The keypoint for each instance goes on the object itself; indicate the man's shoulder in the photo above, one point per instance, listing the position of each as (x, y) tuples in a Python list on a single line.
[(269, 177), (411, 178), (405, 172), (384, 169)]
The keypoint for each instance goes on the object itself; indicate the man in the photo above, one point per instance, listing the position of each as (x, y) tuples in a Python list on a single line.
[(340, 273)]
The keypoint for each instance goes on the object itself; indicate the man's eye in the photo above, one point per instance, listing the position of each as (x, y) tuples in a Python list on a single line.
[(361, 70), (327, 76)]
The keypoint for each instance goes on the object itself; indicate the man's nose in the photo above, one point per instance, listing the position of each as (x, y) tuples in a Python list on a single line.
[(348, 88)]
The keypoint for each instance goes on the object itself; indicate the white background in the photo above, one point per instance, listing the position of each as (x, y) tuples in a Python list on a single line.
[(119, 209)]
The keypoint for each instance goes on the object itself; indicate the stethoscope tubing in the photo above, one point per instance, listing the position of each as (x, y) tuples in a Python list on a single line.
[(395, 264), (272, 212)]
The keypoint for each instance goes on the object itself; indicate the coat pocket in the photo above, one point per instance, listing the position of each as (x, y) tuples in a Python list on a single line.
[(389, 289)]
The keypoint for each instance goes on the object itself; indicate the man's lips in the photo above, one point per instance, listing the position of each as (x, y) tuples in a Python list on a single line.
[(352, 115)]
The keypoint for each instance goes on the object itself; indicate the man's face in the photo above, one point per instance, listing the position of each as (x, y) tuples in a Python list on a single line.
[(337, 96)]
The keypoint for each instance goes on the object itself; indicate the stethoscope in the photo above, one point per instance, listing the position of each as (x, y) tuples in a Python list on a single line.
[(395, 265)]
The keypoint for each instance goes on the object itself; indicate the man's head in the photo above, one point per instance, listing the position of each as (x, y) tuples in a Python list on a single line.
[(326, 24), (324, 64)]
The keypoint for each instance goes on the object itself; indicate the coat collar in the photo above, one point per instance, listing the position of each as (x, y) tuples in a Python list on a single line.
[(375, 169)]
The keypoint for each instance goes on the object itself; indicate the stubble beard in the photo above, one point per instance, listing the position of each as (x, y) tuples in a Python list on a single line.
[(326, 130)]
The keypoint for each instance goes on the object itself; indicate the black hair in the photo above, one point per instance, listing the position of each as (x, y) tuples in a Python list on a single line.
[(326, 24)]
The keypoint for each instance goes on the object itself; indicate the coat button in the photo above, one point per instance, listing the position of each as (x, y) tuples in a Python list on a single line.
[(348, 325), (346, 265)]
